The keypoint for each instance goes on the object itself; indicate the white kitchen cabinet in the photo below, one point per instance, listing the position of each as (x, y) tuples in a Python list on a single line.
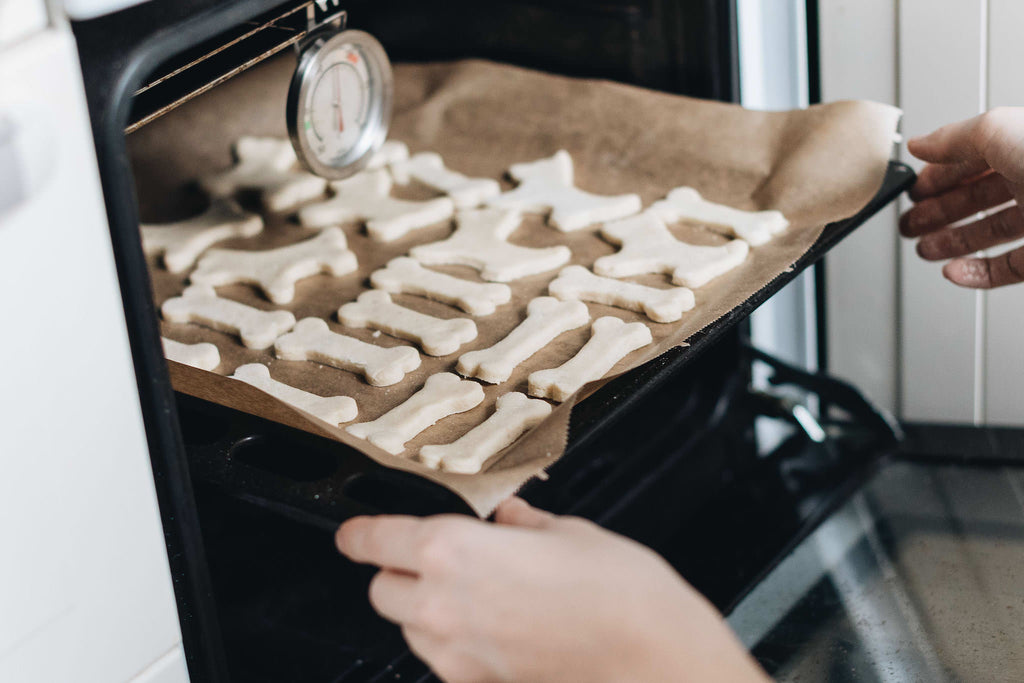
[(85, 588), (1004, 314)]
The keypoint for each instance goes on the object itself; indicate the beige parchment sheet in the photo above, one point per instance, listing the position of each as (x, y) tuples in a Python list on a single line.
[(817, 166)]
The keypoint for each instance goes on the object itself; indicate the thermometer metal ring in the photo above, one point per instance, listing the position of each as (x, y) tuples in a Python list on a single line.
[(339, 102)]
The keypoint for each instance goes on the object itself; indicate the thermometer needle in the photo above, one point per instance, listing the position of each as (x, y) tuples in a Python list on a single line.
[(337, 100)]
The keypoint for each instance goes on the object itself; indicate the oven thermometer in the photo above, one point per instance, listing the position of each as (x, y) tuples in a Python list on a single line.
[(339, 102)]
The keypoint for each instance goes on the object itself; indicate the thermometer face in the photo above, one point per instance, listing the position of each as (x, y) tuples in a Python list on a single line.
[(339, 105)]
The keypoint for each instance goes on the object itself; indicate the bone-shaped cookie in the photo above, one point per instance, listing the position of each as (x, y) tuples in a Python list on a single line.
[(404, 275), (427, 168), (391, 152), (313, 340), (648, 247), (366, 197), (331, 409), (436, 336), (479, 241), (753, 227), (611, 340), (515, 414), (200, 304), (660, 305), (181, 243), (547, 186), (267, 166), (204, 356), (275, 271), (444, 394), (546, 318)]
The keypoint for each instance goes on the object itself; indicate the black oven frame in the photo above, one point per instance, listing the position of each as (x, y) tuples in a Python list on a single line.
[(113, 71)]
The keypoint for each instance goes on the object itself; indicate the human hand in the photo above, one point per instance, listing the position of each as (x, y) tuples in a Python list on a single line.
[(974, 165), (540, 598)]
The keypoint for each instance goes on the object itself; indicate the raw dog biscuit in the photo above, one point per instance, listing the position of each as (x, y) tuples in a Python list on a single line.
[(443, 394), (313, 340), (648, 247), (391, 152), (182, 242), (203, 356), (331, 409), (436, 336), (611, 341), (660, 305), (367, 197), (267, 166), (480, 241), (427, 168), (200, 304), (275, 271), (547, 186), (753, 227), (546, 318), (515, 414), (404, 275)]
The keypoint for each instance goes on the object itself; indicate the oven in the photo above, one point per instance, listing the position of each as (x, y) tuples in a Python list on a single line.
[(668, 454)]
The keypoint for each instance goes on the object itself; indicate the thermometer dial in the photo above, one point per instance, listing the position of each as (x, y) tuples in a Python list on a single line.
[(339, 103)]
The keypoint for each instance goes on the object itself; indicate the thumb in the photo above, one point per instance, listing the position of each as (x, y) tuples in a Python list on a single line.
[(517, 512)]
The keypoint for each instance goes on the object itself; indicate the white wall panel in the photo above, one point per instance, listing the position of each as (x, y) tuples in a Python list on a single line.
[(858, 41), (942, 64), (896, 328), (1004, 334)]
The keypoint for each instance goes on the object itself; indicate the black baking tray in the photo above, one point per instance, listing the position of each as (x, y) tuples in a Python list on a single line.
[(323, 482)]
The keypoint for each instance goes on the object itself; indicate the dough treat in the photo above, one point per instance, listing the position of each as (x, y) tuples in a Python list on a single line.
[(444, 394), (313, 340), (648, 247), (404, 275), (479, 241), (181, 243), (660, 305), (275, 271), (391, 152), (427, 168), (367, 197), (204, 356), (611, 340), (436, 336), (267, 166), (753, 227), (515, 415), (546, 318), (200, 304), (333, 409), (547, 186)]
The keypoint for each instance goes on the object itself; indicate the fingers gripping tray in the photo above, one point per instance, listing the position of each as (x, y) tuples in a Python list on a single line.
[(825, 166)]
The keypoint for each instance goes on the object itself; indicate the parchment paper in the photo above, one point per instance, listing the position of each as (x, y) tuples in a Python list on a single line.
[(816, 166)]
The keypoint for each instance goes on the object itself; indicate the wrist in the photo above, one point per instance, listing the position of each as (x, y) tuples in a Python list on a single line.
[(690, 643)]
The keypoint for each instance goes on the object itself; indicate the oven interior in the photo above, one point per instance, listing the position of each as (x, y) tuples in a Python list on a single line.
[(667, 454)]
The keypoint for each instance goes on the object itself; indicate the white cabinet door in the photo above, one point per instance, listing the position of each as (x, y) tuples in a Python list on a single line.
[(858, 58), (1004, 315), (85, 590), (941, 66)]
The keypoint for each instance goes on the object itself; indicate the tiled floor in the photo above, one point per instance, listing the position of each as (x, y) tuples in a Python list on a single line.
[(920, 577)]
